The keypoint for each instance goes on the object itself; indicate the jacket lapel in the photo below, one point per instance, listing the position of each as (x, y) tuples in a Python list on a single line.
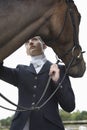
[(45, 67), (32, 69)]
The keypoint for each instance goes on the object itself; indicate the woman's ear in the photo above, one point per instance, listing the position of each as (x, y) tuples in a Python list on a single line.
[(44, 46)]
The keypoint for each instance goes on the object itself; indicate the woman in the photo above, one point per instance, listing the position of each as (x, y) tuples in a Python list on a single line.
[(31, 82)]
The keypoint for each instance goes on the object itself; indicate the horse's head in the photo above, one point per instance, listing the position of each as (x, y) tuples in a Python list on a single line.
[(69, 49), (56, 21), (62, 35)]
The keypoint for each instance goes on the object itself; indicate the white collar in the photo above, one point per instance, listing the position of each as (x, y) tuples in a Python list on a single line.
[(38, 61)]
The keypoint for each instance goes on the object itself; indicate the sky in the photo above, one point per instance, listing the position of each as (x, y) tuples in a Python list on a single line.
[(79, 85)]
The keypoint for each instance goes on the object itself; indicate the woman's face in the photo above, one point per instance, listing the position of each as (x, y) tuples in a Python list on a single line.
[(34, 47)]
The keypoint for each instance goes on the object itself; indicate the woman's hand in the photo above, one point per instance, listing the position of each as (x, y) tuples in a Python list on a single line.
[(54, 72)]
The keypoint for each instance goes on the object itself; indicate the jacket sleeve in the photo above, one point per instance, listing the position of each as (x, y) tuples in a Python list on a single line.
[(9, 75), (65, 95)]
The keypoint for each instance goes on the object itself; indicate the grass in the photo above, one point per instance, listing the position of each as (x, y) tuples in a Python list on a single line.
[(3, 129)]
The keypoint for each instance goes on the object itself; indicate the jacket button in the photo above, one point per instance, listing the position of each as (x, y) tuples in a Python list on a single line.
[(36, 77), (35, 86), (61, 86)]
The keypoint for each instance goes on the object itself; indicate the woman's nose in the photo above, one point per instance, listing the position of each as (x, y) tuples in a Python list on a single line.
[(31, 42)]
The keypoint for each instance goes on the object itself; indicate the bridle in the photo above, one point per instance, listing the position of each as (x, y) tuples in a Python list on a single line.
[(72, 50), (76, 47)]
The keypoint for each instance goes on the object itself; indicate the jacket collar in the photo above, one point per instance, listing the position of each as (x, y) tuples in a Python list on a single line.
[(45, 67)]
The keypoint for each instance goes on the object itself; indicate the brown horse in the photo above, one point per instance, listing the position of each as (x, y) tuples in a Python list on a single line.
[(56, 21)]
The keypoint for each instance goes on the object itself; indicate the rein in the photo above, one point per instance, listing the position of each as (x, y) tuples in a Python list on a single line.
[(76, 46)]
